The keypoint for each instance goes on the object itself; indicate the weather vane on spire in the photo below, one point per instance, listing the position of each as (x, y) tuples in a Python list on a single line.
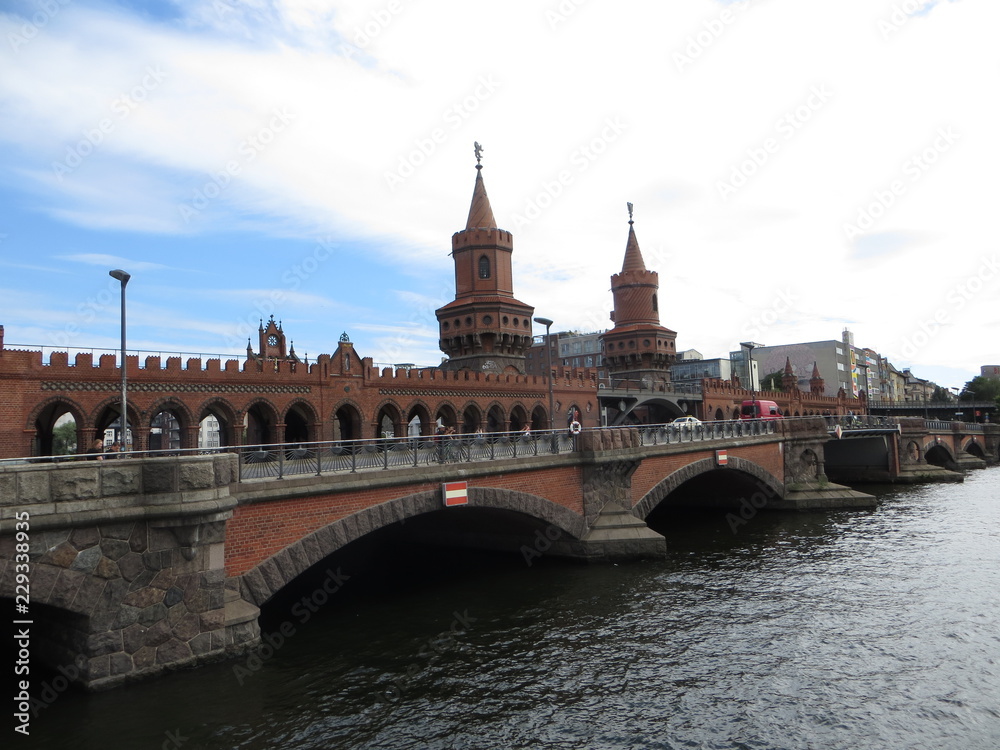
[(479, 151), (629, 212)]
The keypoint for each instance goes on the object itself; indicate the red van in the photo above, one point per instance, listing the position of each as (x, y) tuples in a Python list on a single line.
[(759, 409)]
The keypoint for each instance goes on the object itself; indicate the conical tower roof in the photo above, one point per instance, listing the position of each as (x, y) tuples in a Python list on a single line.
[(480, 212), (633, 256)]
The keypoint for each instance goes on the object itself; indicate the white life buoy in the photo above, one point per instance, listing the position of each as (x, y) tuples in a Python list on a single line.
[(575, 427)]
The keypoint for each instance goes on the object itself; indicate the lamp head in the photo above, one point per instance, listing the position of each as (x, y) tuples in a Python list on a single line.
[(543, 321), (121, 275)]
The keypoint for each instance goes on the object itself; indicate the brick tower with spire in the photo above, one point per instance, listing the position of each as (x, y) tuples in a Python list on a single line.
[(816, 383), (485, 328), (638, 346), (789, 382)]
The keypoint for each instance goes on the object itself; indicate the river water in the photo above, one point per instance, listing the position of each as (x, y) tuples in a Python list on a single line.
[(863, 629)]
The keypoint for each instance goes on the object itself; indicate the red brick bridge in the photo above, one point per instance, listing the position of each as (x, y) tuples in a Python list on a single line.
[(138, 566)]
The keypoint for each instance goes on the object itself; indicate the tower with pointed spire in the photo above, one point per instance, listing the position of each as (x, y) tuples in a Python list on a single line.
[(638, 346), (789, 382), (485, 327), (817, 385)]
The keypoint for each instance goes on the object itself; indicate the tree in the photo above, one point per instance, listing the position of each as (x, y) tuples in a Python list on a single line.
[(772, 382), (940, 396), (64, 439), (980, 389)]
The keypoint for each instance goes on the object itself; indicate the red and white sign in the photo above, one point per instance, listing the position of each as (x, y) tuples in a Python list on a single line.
[(455, 493), (721, 458)]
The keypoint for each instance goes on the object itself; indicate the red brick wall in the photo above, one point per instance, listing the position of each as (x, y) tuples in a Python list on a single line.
[(258, 531), (87, 389), (655, 469)]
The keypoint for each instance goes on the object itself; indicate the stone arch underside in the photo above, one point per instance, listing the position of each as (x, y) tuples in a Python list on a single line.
[(671, 482), (265, 580)]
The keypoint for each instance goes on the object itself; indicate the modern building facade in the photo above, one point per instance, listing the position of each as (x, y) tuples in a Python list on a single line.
[(694, 370)]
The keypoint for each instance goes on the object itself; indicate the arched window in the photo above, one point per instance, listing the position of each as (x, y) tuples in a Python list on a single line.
[(484, 267), (656, 306)]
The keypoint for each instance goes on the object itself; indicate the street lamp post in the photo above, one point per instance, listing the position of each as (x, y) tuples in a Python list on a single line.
[(123, 277), (548, 361)]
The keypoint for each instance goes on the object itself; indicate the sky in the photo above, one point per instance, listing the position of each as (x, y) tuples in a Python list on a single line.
[(796, 168)]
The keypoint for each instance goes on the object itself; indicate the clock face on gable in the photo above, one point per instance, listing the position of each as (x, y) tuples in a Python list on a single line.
[(272, 340)]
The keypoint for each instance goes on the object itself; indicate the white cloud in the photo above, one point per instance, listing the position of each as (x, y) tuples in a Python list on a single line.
[(367, 92)]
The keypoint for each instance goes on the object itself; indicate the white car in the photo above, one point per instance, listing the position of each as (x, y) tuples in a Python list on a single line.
[(686, 420)]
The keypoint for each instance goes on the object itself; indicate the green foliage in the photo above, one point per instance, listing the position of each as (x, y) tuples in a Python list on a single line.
[(772, 382), (64, 439), (981, 389), (940, 396)]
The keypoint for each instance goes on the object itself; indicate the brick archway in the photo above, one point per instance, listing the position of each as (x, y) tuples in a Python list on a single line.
[(670, 483), (263, 581)]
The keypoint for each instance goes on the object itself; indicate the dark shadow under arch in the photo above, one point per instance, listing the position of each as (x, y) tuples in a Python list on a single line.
[(265, 580), (665, 486)]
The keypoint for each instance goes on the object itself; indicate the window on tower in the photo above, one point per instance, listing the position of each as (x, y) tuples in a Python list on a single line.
[(484, 267), (656, 307)]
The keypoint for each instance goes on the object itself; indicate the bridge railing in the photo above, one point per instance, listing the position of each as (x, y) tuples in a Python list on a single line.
[(381, 454), (949, 426), (861, 421), (671, 433), (622, 385)]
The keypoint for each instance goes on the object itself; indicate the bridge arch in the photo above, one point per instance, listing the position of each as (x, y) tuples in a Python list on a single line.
[(518, 417), (973, 447), (164, 415), (939, 454), (300, 420), (448, 416), (42, 420), (346, 420), (262, 582), (224, 414), (668, 484), (472, 417), (913, 453), (261, 422), (108, 412), (388, 420), (496, 418), (419, 411)]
